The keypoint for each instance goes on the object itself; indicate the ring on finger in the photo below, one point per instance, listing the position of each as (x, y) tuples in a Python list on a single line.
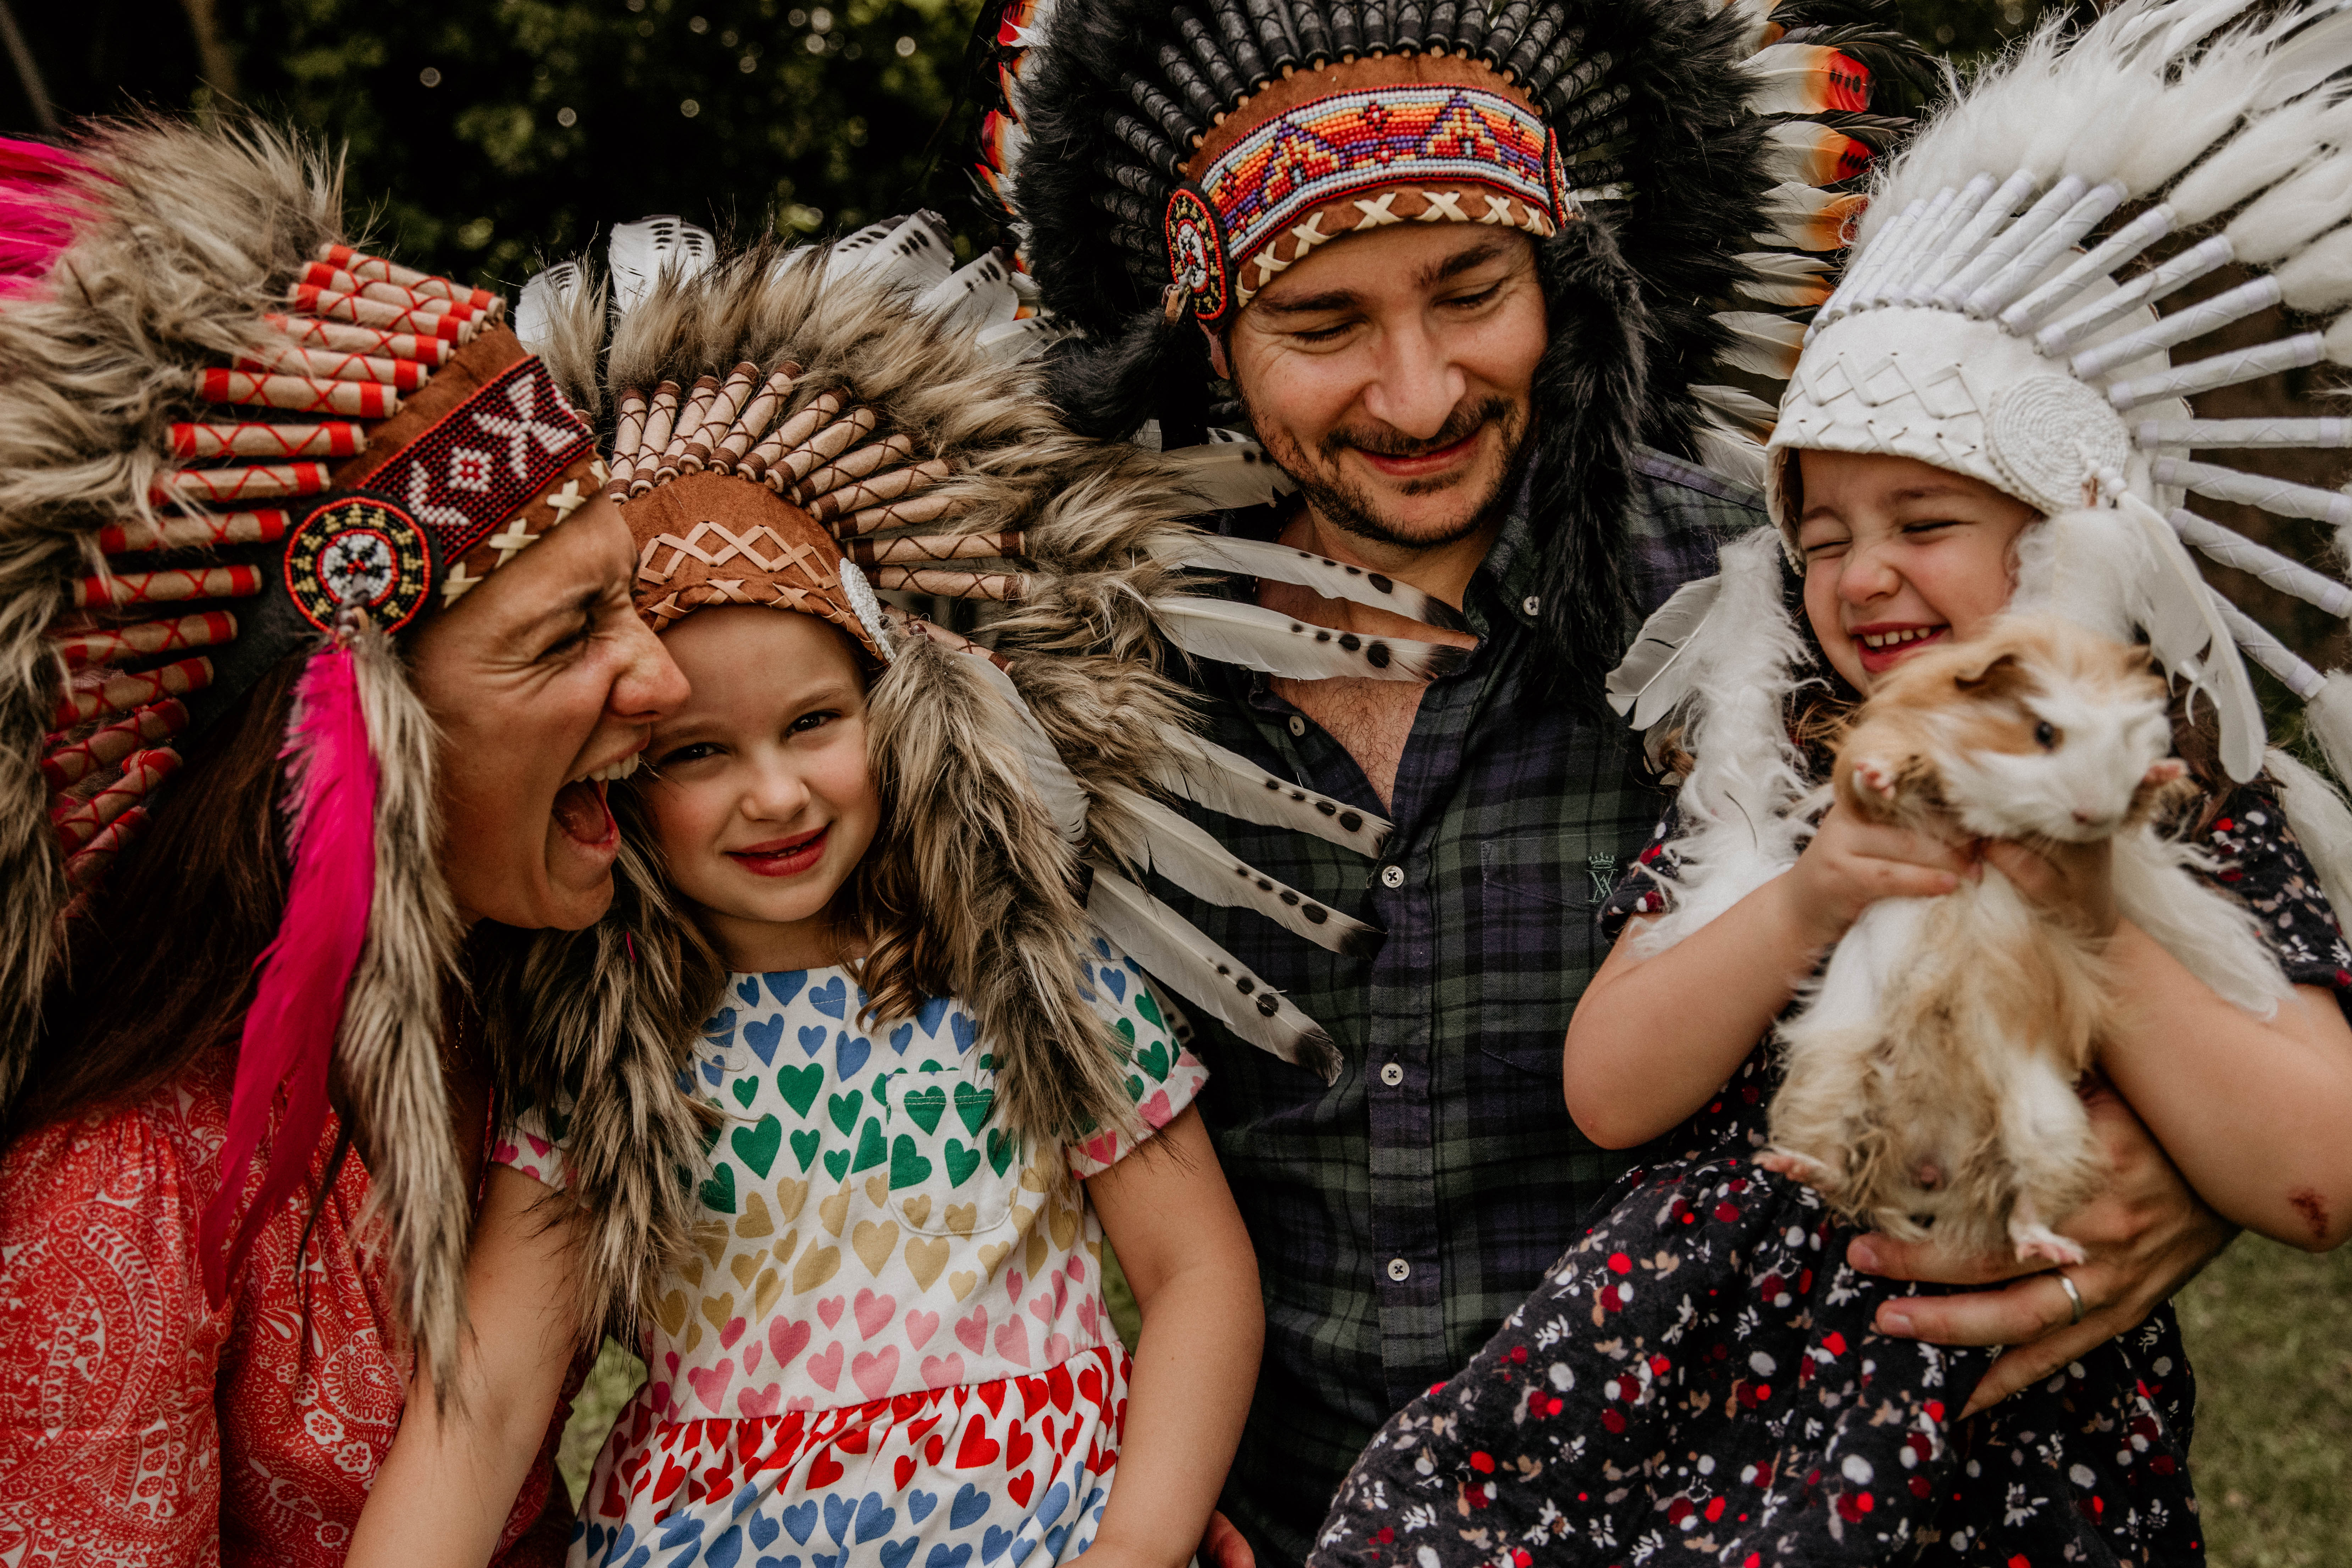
[(2072, 1295)]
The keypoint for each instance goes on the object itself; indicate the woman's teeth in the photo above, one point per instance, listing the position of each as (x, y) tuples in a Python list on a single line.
[(1896, 639), (615, 771)]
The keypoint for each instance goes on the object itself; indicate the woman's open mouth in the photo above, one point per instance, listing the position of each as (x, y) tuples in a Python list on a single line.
[(581, 812), (782, 857)]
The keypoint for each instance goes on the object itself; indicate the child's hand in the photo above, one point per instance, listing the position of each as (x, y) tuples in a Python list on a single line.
[(2073, 882), (1852, 864)]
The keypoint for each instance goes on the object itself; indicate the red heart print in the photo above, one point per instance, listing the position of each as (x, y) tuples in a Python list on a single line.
[(1032, 1395), (1017, 1446), (1090, 1386), (1058, 1382), (977, 1448), (1020, 1488), (786, 1339), (993, 1396), (934, 1449), (904, 1469), (824, 1469), (672, 1473)]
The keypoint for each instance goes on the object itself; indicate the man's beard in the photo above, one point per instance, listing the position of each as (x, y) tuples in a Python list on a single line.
[(1353, 510)]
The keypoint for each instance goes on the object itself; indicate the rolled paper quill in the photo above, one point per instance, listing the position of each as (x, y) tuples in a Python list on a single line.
[(67, 765), (363, 399), (314, 331), (164, 587), (319, 275), (125, 692), (259, 527), (334, 364), (948, 584), (896, 514), (334, 307), (254, 438), (82, 651), (81, 869), (78, 822), (916, 550), (882, 488), (379, 269), (260, 481)]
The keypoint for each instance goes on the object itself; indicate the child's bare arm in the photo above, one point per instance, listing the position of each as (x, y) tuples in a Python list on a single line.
[(2251, 1111), (1167, 1213), (1653, 1038), (447, 1488)]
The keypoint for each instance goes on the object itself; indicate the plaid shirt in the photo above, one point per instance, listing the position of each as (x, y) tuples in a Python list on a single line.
[(1402, 1213)]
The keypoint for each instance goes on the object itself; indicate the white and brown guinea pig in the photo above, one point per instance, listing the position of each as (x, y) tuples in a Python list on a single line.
[(1932, 1071)]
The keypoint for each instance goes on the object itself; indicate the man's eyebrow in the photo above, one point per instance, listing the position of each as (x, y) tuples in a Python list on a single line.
[(581, 604), (1462, 261), (1312, 304)]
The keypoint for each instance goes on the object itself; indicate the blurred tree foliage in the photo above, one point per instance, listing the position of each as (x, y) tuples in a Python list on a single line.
[(489, 134)]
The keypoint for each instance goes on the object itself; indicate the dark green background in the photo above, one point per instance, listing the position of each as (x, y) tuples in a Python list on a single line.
[(719, 110)]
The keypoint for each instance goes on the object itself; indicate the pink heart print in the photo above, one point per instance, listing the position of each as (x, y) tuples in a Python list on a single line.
[(875, 1372), (943, 1372), (920, 1327), (973, 1330), (710, 1387), (765, 1402), (1013, 1341), (786, 1339), (830, 1310), (875, 1313), (826, 1365)]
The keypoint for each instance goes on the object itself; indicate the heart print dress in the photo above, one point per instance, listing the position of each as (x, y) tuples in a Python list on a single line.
[(891, 1347)]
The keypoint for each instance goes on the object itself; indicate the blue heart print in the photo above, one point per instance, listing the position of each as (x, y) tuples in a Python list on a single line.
[(969, 1505), (725, 1552), (748, 989), (594, 1535), (1054, 1539), (764, 1530), (821, 1560), (992, 1544), (898, 1553), (920, 1504), (929, 1011), (684, 1081), (1102, 947), (778, 1563), (849, 1054), (745, 1496), (640, 1557), (901, 1036), (813, 1037), (1052, 1505), (1115, 981), (800, 1518), (945, 1556), (679, 1529), (832, 998), (720, 1024), (1021, 1548), (873, 1519), (838, 1513), (763, 1036), (713, 1072), (783, 987), (966, 1031)]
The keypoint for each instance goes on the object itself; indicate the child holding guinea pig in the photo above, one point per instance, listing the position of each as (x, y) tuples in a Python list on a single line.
[(1704, 1375)]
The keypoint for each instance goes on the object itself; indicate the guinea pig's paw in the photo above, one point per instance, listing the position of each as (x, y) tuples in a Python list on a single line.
[(2040, 1242), (2163, 773), (1800, 1168), (1872, 774)]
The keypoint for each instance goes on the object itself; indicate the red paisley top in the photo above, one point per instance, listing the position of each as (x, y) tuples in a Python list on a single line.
[(138, 1425)]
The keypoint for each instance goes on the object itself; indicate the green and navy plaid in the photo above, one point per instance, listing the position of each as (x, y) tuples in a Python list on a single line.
[(1398, 1223)]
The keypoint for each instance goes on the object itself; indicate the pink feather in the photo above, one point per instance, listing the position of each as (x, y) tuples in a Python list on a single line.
[(38, 204), (290, 1033)]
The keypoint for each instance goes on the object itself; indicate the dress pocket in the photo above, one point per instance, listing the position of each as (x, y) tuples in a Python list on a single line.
[(952, 1168)]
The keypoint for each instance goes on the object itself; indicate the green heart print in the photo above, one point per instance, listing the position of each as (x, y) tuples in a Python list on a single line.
[(756, 1146), (963, 1160), (972, 1105), (799, 1086), (718, 1189), (907, 1166)]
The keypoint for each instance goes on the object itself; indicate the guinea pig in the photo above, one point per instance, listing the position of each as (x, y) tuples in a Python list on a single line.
[(1932, 1071)]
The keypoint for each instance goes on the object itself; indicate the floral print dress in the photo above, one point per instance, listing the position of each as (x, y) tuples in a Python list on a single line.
[(892, 1348), (1698, 1379)]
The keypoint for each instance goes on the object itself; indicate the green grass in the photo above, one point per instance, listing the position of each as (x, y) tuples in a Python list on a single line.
[(2270, 1331)]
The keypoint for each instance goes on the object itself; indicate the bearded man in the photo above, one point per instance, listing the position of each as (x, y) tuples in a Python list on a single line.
[(1480, 279)]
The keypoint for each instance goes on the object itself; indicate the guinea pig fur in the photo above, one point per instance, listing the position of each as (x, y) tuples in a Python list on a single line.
[(1932, 1071)]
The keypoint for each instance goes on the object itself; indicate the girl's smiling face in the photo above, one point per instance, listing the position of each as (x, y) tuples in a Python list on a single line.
[(1900, 556), (759, 797)]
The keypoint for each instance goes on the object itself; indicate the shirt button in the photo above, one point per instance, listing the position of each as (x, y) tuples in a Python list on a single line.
[(1391, 876), (1392, 1075), (1532, 604), (1399, 1269), (1298, 725)]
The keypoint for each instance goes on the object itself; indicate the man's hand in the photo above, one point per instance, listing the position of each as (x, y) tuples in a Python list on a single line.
[(2148, 1234), (1221, 1545)]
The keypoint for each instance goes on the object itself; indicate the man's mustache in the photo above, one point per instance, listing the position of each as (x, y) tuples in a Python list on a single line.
[(1466, 421)]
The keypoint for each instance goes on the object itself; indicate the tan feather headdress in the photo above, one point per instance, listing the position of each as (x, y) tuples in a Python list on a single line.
[(229, 439)]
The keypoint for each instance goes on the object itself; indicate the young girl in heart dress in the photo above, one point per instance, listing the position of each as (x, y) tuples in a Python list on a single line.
[(886, 1339)]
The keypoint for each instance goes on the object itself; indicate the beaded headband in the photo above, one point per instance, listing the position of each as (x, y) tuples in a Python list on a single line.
[(1433, 145)]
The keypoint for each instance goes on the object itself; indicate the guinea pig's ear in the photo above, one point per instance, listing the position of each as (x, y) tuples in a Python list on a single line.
[(1997, 669)]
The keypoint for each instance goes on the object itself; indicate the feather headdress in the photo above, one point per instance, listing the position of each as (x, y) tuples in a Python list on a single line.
[(1685, 169), (229, 439), (2024, 306), (813, 429)]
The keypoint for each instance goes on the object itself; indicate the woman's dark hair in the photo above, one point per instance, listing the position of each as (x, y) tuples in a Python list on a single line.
[(159, 966)]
